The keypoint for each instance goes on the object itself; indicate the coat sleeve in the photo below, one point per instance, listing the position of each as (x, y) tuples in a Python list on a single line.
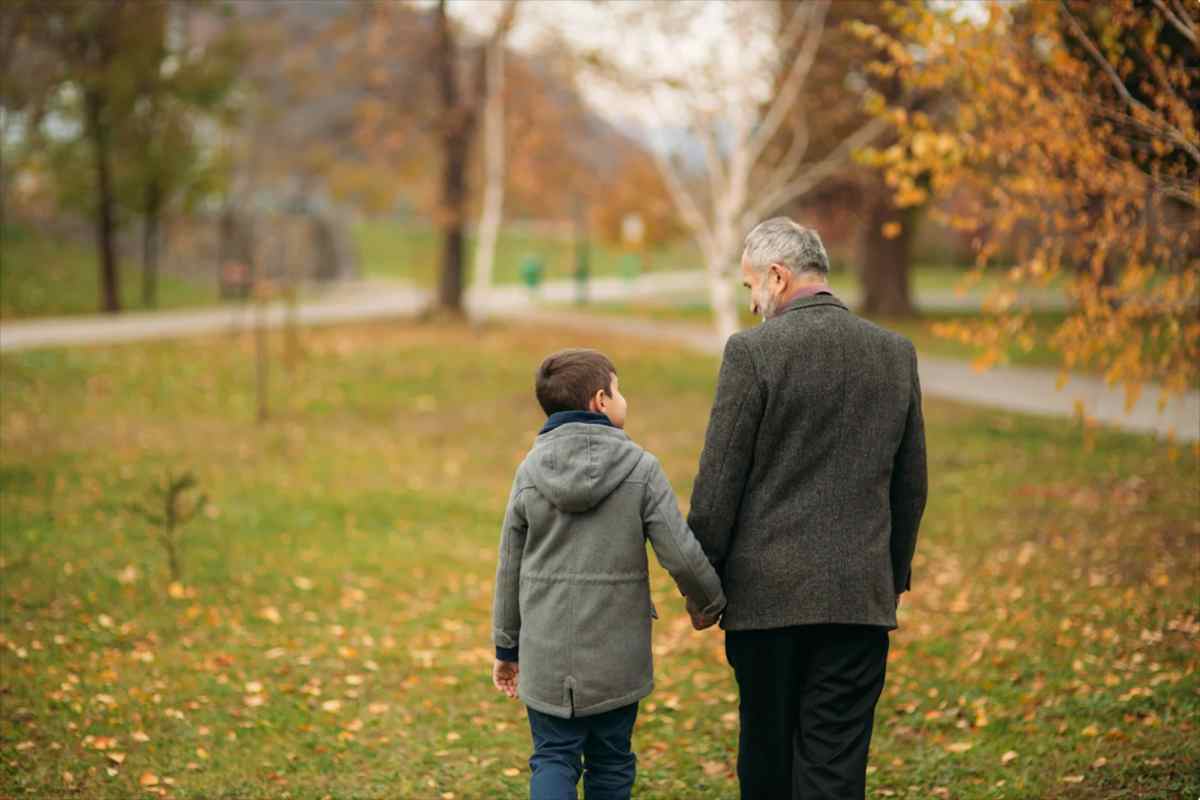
[(506, 606), (909, 488), (675, 546), (728, 454)]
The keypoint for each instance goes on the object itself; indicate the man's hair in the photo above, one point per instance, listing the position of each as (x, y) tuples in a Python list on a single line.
[(780, 240), (568, 379)]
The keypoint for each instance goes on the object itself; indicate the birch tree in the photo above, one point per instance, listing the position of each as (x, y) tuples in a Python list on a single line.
[(733, 102), (494, 160), (458, 124)]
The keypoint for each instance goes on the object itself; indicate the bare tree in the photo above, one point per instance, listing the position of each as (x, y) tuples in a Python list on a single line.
[(733, 105), (458, 123), (494, 160)]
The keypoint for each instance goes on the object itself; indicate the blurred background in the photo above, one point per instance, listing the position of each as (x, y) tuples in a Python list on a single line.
[(275, 275)]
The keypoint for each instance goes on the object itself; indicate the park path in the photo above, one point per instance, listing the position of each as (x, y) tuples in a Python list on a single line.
[(1025, 389), (1031, 390)]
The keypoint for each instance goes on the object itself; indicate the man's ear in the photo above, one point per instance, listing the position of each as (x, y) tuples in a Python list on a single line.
[(781, 272)]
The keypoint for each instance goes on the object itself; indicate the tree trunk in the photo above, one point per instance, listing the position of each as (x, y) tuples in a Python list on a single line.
[(110, 289), (719, 255), (457, 124), (450, 284), (151, 242), (493, 192), (886, 260)]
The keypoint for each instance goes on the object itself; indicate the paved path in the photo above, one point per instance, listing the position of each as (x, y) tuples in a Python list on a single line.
[(376, 299), (1024, 389), (1027, 389)]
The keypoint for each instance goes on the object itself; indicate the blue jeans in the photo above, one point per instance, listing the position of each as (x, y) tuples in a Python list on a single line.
[(596, 746)]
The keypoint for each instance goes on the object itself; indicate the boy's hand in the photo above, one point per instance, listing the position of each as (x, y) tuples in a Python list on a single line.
[(504, 676), (699, 620)]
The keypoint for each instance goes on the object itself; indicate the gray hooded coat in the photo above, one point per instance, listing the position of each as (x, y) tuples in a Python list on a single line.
[(572, 586)]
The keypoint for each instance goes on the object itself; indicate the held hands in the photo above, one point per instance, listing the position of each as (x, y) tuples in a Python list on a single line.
[(699, 620), (504, 676)]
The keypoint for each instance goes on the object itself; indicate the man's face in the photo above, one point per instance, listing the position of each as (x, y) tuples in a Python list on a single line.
[(764, 289)]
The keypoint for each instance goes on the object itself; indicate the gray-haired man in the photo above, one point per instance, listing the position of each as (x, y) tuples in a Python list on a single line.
[(810, 492)]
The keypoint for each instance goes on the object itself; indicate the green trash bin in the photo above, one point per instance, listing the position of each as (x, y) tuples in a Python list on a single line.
[(533, 269), (631, 266)]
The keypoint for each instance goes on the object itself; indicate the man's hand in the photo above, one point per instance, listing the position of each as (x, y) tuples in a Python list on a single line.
[(699, 620), (504, 676)]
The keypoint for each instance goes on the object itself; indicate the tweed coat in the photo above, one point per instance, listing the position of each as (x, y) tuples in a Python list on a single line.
[(812, 481)]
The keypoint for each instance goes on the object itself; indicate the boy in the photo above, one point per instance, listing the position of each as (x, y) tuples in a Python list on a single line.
[(572, 589)]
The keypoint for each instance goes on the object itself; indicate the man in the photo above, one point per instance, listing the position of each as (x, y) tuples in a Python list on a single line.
[(810, 492)]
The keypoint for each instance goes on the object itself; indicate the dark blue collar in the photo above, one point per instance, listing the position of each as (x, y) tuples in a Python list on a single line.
[(559, 418)]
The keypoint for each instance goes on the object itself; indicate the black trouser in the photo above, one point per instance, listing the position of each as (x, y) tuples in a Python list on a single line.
[(808, 697)]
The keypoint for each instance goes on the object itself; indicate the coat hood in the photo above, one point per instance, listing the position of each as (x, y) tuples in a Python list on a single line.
[(577, 465)]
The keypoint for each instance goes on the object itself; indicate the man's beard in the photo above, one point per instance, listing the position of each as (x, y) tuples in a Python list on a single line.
[(767, 303)]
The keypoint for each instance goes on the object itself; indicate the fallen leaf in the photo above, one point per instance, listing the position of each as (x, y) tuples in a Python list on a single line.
[(1008, 757), (512, 772), (116, 758), (959, 747), (148, 779)]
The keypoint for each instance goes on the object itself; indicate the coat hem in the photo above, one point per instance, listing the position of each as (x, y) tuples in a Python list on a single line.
[(564, 712)]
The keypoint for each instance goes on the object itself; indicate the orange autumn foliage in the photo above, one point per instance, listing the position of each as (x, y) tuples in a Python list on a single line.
[(1068, 138)]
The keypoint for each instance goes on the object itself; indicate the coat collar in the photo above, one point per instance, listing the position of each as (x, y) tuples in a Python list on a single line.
[(560, 418), (814, 300)]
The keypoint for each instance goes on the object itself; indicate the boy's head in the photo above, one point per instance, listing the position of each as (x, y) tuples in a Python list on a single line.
[(580, 380)]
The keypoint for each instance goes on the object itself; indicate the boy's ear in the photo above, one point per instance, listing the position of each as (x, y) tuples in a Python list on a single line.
[(595, 402)]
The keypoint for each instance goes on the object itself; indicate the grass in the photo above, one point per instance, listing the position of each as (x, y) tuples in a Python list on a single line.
[(42, 277), (919, 329), (330, 637), (410, 252), (407, 252)]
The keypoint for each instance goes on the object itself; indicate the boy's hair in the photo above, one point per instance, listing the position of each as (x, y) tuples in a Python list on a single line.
[(568, 379)]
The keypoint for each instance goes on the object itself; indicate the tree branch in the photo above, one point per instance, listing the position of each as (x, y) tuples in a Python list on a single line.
[(712, 157), (684, 202), (792, 84), (818, 172), (782, 173), (1183, 24), (1172, 133)]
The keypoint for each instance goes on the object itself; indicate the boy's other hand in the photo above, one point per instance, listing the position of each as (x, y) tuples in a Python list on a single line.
[(504, 676), (699, 620)]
